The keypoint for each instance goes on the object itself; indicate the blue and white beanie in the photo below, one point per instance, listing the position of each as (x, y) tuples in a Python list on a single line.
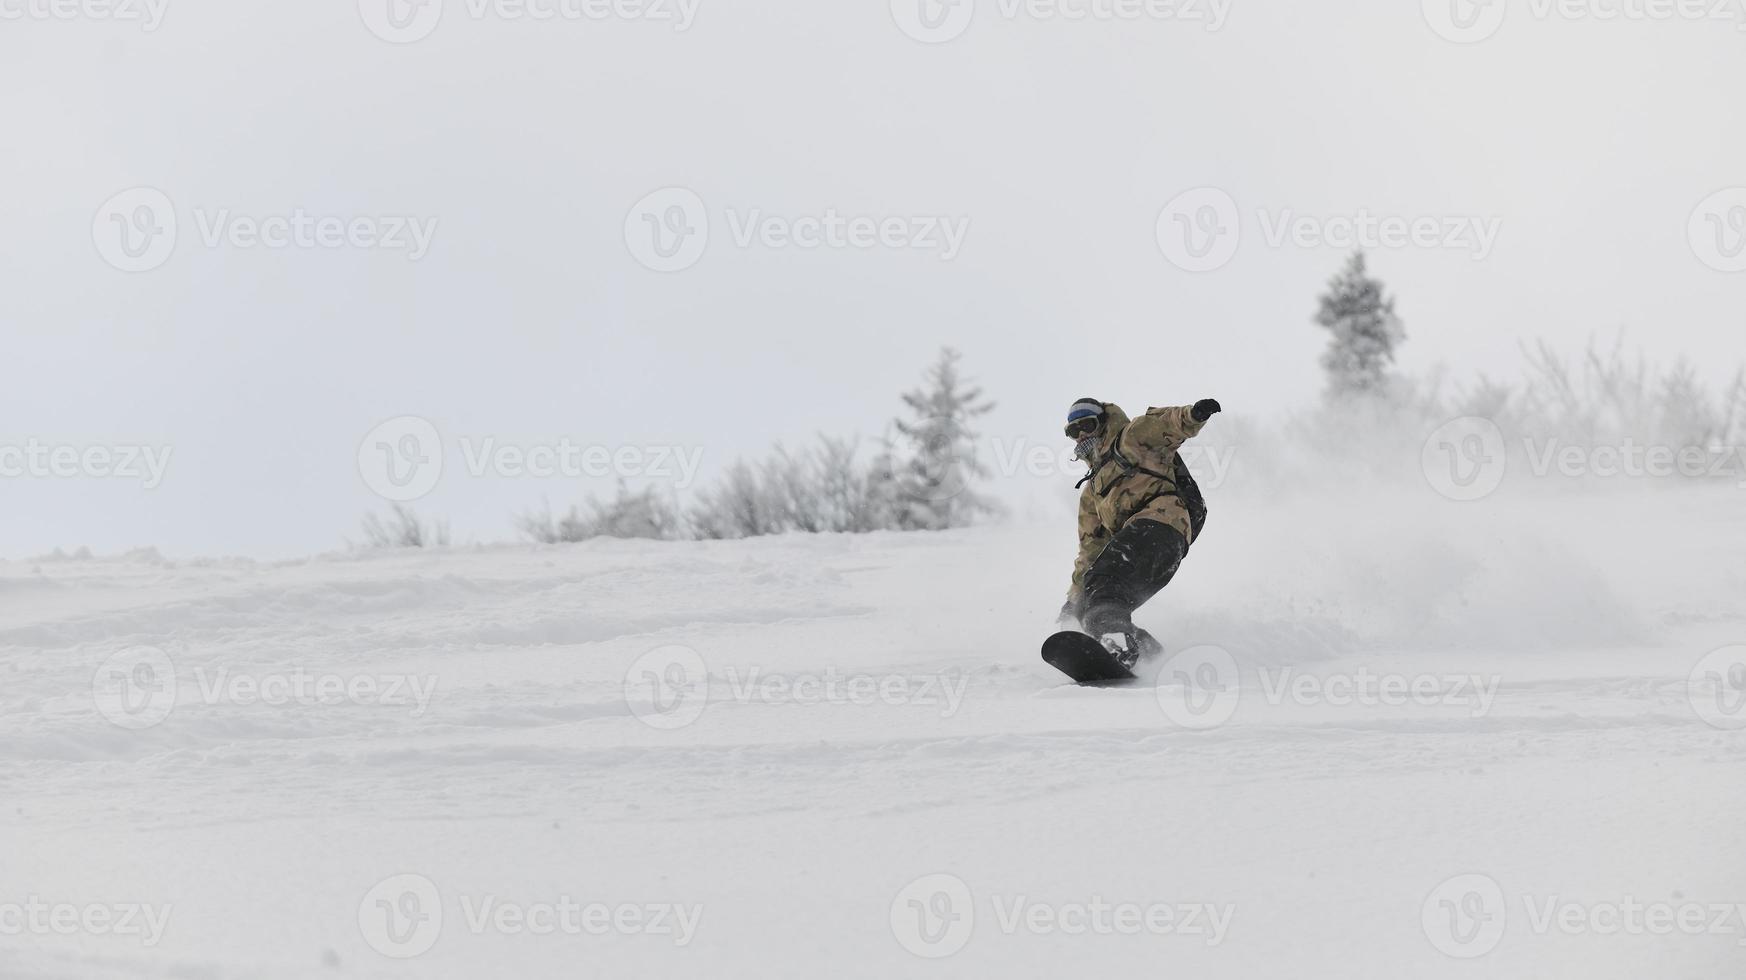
[(1084, 408)]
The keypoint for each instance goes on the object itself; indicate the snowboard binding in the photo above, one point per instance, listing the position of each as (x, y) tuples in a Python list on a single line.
[(1130, 648)]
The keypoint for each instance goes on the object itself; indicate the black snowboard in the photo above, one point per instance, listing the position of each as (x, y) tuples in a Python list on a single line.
[(1083, 659)]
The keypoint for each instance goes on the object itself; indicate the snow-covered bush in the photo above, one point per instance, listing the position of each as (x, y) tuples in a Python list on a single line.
[(403, 529), (743, 504), (825, 488), (629, 514), (1609, 396), (1602, 398)]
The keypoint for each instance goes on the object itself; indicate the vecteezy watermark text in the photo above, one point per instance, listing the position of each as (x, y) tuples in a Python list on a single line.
[(402, 917), (1202, 687), (1468, 915), (137, 230), (148, 14), (35, 459), (1472, 21), (140, 687), (1468, 459), (939, 21), (408, 21), (935, 916), (1211, 464), (669, 688), (403, 458), (669, 230), (36, 917), (1200, 230)]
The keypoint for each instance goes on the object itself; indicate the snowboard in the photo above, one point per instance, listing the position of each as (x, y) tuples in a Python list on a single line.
[(1083, 659)]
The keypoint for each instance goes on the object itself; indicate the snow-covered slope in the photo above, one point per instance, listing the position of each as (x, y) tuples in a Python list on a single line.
[(840, 756)]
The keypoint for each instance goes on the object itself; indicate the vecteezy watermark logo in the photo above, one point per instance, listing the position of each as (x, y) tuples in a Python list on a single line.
[(1199, 688), (1472, 21), (1465, 917), (1464, 21), (668, 231), (933, 916), (1465, 459), (933, 21), (401, 459), (1211, 465), (136, 687), (668, 687), (1717, 688), (35, 917), (140, 687), (135, 231), (1468, 458), (35, 459), (149, 14), (938, 21), (401, 916), (1199, 230), (407, 21), (1717, 230), (401, 21)]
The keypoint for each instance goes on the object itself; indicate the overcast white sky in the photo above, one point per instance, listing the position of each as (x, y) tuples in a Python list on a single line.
[(1585, 143)]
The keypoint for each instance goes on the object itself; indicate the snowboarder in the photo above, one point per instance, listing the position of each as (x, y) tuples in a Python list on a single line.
[(1139, 510)]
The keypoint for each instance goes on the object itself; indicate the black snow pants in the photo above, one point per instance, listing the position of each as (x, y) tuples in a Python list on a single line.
[(1138, 562)]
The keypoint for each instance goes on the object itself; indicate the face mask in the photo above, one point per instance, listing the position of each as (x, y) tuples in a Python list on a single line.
[(1085, 447)]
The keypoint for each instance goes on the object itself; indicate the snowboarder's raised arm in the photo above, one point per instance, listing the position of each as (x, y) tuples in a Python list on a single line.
[(1164, 430)]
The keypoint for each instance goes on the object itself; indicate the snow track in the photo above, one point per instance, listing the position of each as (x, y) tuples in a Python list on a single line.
[(868, 712)]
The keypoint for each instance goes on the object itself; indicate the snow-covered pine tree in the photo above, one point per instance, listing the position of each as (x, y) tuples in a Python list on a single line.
[(933, 488), (884, 478), (1366, 332)]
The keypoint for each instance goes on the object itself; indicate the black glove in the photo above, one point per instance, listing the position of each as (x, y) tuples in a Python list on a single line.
[(1205, 409)]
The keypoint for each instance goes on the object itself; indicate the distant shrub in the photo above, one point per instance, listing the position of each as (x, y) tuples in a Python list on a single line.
[(639, 514), (1602, 397), (403, 529), (826, 487)]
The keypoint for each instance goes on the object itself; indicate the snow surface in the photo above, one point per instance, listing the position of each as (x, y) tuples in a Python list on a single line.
[(799, 827)]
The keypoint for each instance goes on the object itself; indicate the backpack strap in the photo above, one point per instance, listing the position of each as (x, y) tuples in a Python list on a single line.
[(1128, 466), (1182, 482)]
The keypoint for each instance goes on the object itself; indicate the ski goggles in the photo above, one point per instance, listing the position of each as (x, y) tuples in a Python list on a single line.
[(1082, 427)]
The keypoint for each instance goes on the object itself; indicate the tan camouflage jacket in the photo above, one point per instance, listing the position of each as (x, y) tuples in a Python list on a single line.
[(1116, 495)]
